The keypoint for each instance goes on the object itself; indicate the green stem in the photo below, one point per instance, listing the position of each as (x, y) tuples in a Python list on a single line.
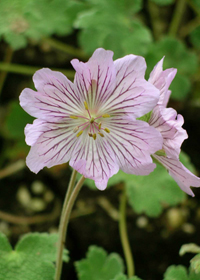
[(65, 48), (29, 70), (124, 236), (69, 190), (63, 225), (178, 13)]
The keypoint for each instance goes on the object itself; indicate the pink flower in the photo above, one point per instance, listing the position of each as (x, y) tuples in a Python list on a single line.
[(169, 124), (92, 122)]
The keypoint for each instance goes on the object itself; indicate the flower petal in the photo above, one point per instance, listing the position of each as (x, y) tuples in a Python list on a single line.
[(162, 80), (184, 178), (94, 159), (133, 142), (55, 97), (52, 144), (133, 94), (100, 68), (169, 124)]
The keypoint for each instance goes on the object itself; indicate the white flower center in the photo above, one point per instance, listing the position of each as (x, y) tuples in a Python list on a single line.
[(91, 123)]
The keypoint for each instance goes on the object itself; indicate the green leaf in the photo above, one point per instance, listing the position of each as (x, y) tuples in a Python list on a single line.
[(32, 258), (163, 2), (21, 20), (121, 33), (138, 40), (124, 277), (189, 248), (195, 264), (176, 273), (99, 265), (181, 58), (149, 194), (180, 273)]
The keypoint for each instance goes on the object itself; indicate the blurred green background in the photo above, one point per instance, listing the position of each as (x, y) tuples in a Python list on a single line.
[(49, 33)]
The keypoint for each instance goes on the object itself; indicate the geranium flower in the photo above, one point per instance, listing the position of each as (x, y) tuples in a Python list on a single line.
[(169, 124), (92, 122)]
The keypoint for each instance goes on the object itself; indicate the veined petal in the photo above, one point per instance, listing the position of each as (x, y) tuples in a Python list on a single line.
[(184, 178), (56, 96), (52, 145), (162, 80), (94, 159), (133, 94), (100, 68), (169, 124), (133, 142), (33, 131)]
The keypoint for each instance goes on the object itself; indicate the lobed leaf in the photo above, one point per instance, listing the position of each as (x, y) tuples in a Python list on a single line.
[(99, 265), (32, 258)]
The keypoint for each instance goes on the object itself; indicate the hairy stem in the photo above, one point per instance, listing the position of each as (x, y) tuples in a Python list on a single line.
[(124, 236), (69, 190), (177, 16), (64, 223)]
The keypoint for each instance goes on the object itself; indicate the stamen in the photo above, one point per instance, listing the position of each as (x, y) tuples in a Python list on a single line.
[(86, 105), (107, 130), (73, 117), (78, 134), (75, 129), (90, 134), (106, 116), (101, 134), (94, 136), (100, 125)]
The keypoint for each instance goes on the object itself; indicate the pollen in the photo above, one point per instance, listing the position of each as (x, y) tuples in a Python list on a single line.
[(101, 134), (75, 129), (106, 116), (94, 136), (78, 134), (107, 130), (86, 105), (100, 125), (73, 117), (90, 134)]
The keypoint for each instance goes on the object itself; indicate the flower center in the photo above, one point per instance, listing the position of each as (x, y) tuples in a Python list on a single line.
[(91, 123)]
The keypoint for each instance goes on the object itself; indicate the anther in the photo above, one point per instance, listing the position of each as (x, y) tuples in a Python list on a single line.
[(86, 105), (78, 134), (94, 136), (90, 134), (73, 117), (101, 134), (106, 116), (100, 125), (75, 129), (107, 130)]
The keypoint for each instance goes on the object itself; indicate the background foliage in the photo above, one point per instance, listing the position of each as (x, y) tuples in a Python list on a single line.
[(49, 33)]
